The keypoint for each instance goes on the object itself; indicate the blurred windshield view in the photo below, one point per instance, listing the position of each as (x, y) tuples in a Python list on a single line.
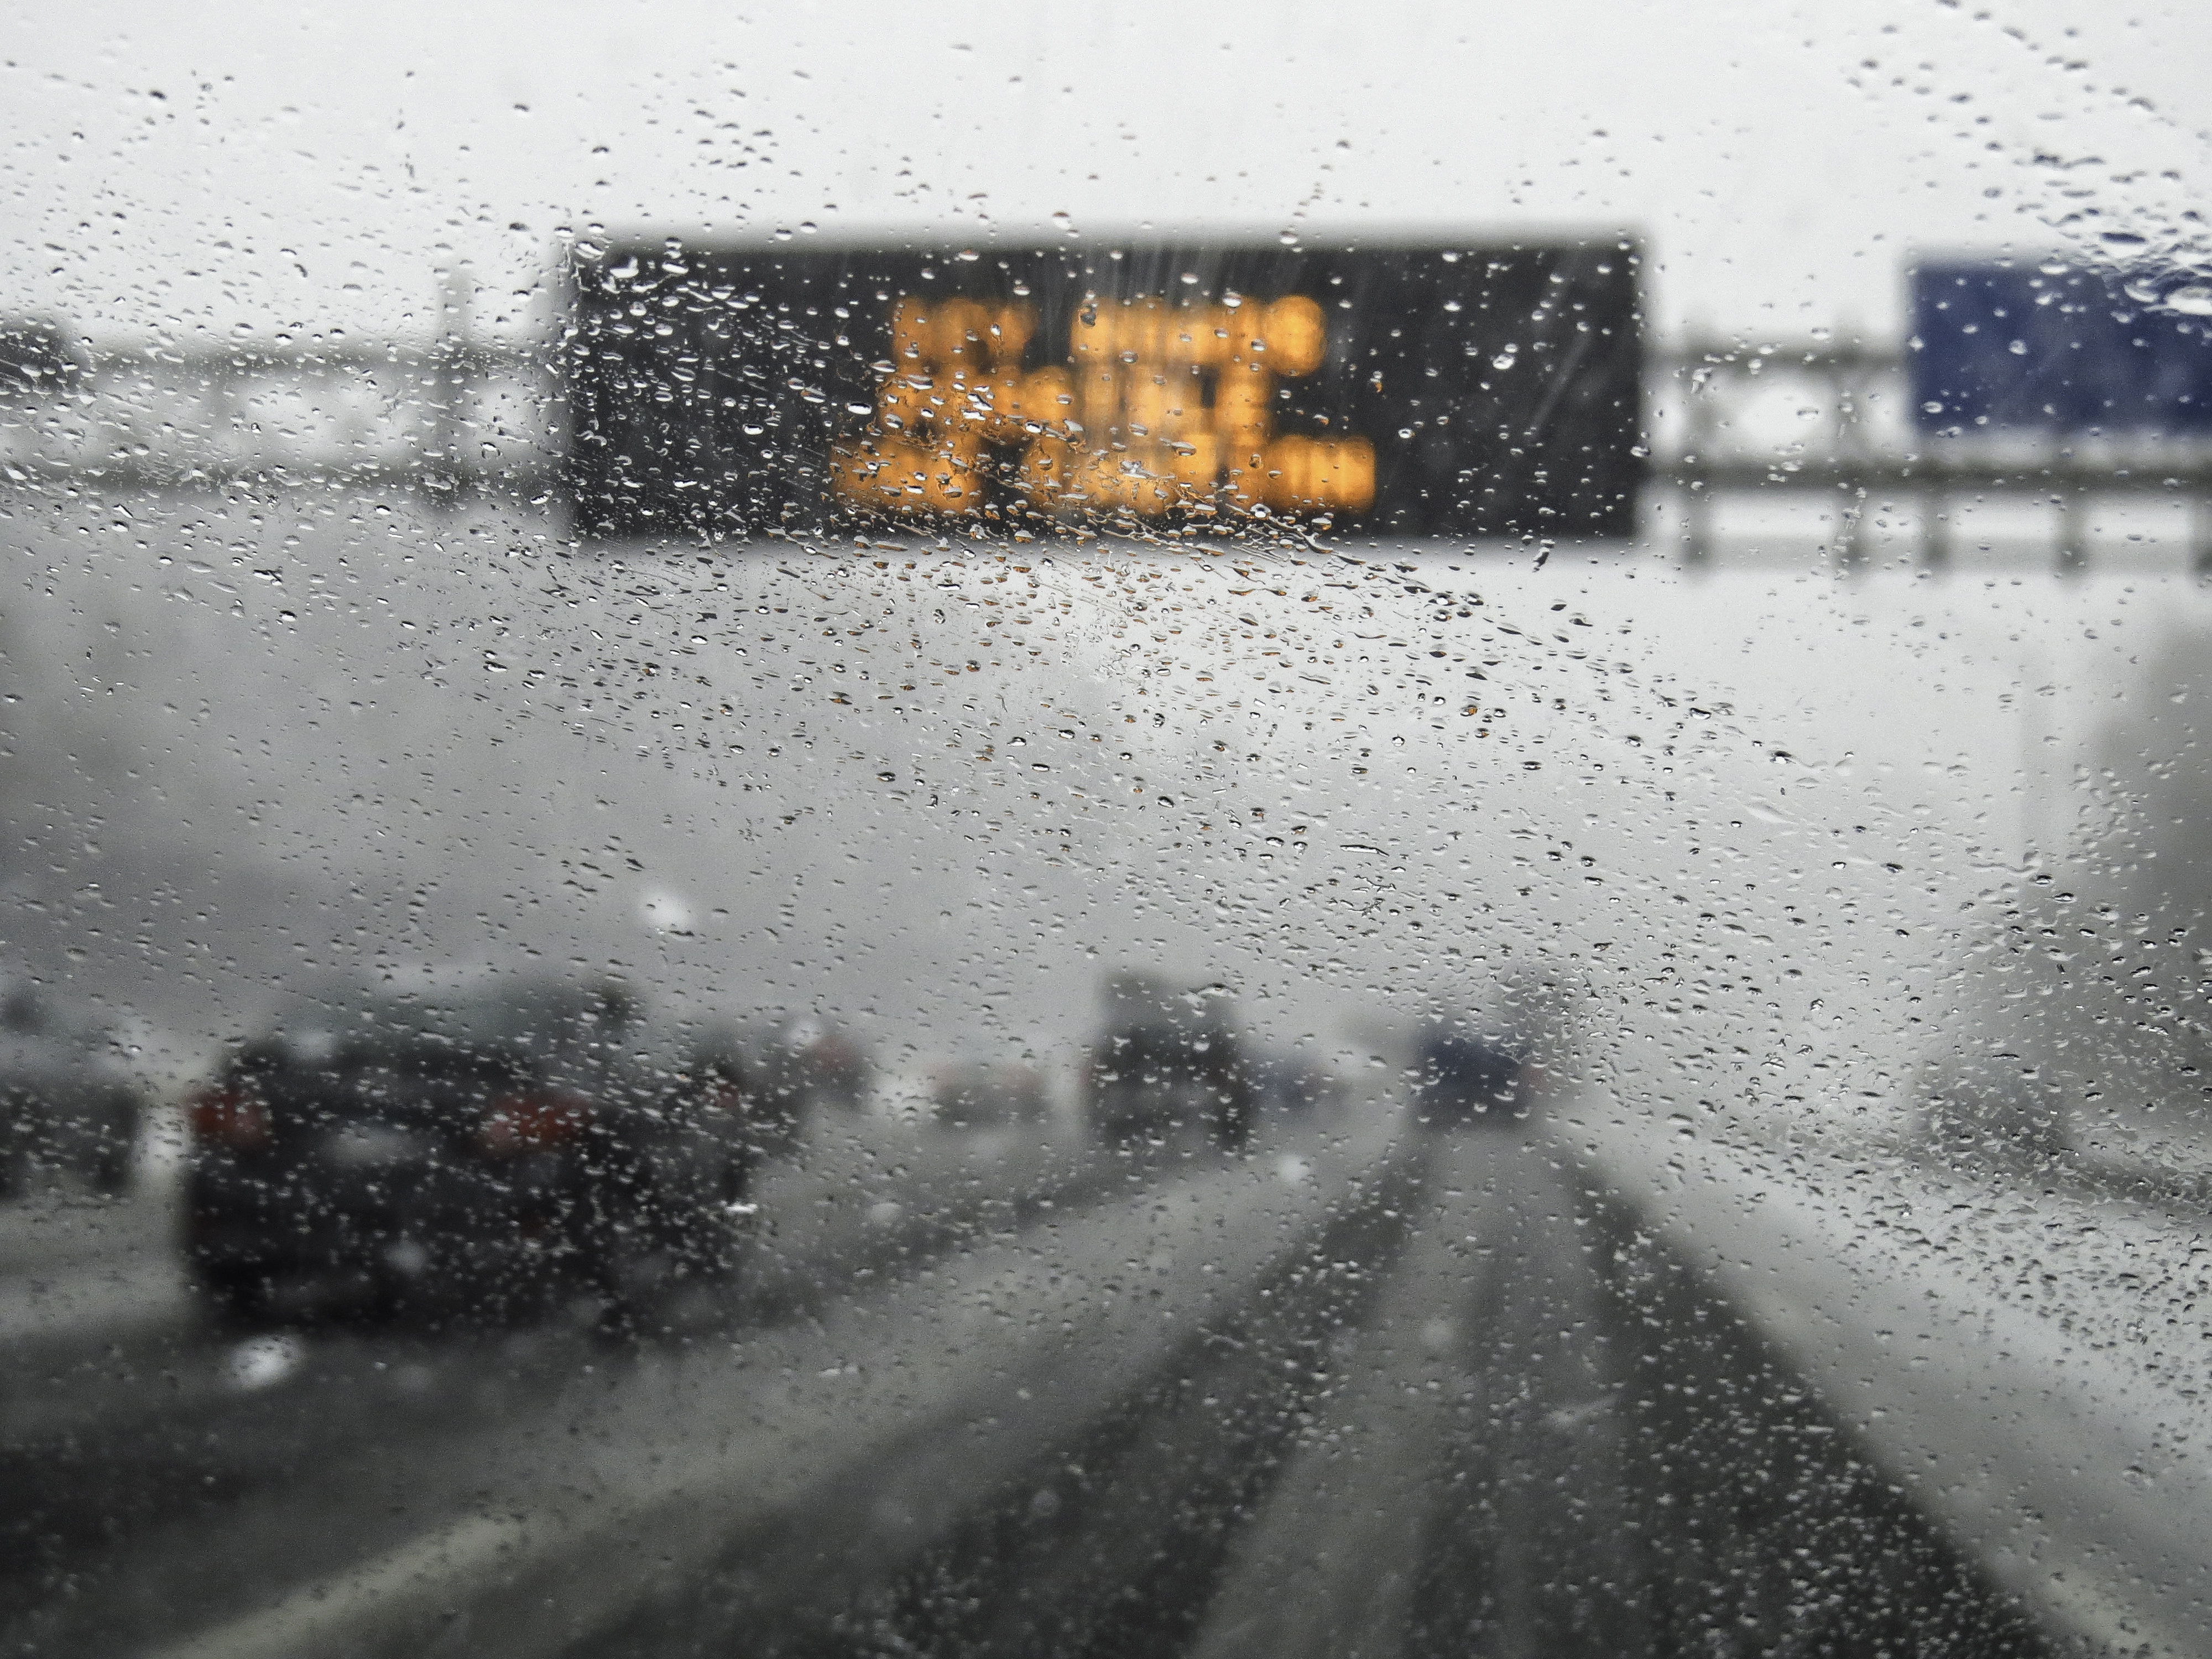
[(976, 831)]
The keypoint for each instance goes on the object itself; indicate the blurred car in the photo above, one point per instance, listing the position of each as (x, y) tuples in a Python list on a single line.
[(976, 1094), (1167, 1059), (1293, 1086), (482, 1151), (68, 1109), (814, 1067), (1463, 1077)]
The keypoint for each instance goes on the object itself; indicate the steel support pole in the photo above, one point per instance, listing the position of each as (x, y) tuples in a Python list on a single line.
[(1935, 530), (2073, 532)]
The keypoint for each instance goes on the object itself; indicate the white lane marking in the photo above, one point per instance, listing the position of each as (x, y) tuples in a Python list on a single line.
[(307, 1621), (1326, 1567)]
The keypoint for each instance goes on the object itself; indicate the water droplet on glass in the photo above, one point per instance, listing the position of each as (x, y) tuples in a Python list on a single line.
[(262, 1362), (665, 910)]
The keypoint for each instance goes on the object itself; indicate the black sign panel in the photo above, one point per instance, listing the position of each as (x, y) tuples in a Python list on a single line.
[(1433, 391)]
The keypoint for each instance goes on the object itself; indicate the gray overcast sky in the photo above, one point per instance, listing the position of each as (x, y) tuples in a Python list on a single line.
[(307, 168)]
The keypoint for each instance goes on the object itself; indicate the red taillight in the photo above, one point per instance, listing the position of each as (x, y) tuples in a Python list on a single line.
[(230, 1117), (526, 1123)]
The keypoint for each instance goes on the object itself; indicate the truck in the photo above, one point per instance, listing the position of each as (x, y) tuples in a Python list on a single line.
[(1167, 1060)]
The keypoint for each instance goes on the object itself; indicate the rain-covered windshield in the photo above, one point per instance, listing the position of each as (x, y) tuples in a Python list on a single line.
[(895, 832)]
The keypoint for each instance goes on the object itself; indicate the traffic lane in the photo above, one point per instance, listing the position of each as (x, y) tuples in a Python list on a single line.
[(111, 1441), (1328, 1565), (1458, 1488), (1529, 1546), (635, 1480), (1635, 1472), (170, 1449), (860, 1193), (1516, 1446), (1299, 1481), (877, 1197), (853, 1191), (2002, 1359), (1070, 1535), (1039, 1340)]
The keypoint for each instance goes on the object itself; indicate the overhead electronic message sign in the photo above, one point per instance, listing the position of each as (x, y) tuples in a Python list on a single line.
[(2019, 347), (1427, 390)]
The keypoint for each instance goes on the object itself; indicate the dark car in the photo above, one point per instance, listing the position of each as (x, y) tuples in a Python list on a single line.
[(1168, 1058), (501, 1149), (68, 1109), (1291, 1085), (1461, 1077)]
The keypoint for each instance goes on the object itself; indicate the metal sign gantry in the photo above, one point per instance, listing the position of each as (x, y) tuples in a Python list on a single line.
[(458, 415), (1864, 454)]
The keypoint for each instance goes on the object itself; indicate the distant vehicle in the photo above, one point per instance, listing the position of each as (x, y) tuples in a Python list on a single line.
[(816, 1067), (68, 1109), (480, 1150), (1293, 1086), (1460, 1078), (1167, 1059), (976, 1094)]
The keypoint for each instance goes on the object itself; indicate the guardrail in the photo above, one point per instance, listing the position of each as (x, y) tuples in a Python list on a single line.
[(445, 417), (455, 416)]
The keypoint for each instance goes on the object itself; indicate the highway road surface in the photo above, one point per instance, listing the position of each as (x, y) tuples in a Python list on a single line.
[(1365, 1389)]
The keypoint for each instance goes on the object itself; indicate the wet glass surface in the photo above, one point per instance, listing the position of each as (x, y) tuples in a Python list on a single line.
[(975, 832)]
